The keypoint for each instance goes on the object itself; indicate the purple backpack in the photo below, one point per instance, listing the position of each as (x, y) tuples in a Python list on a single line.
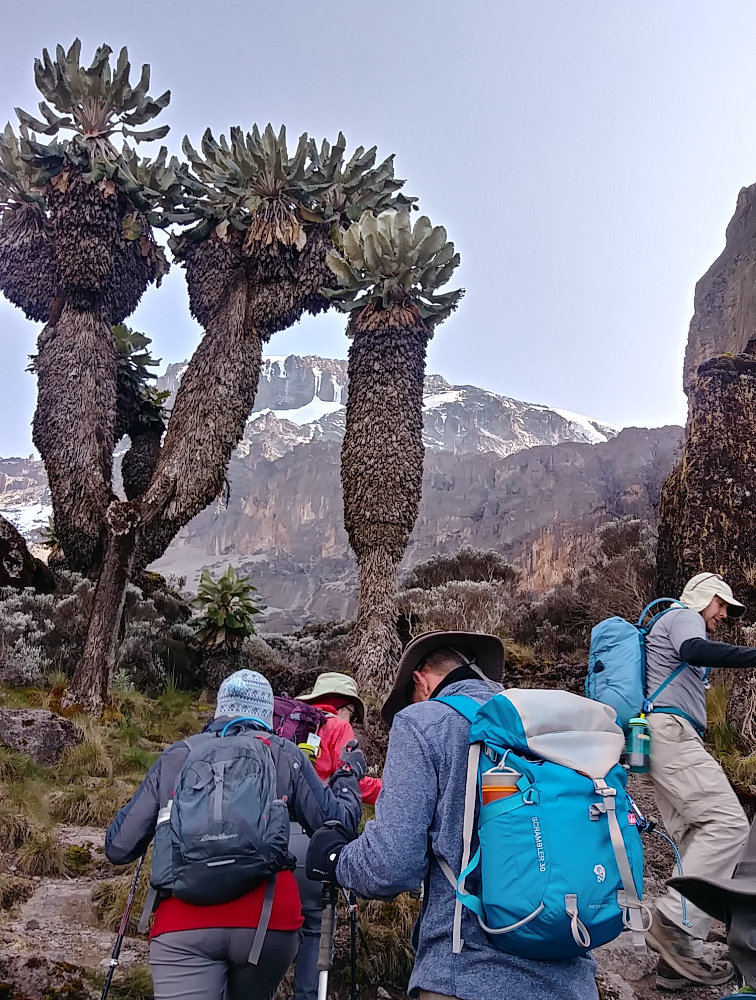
[(294, 719)]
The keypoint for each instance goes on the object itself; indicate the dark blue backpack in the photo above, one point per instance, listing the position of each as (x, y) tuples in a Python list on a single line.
[(617, 663)]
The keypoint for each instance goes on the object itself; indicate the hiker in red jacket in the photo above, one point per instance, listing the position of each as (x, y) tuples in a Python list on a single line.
[(336, 695)]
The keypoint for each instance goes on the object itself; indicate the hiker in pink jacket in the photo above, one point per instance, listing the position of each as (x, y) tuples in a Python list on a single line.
[(336, 695)]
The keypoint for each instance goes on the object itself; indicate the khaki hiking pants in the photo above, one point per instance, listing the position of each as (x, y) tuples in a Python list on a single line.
[(699, 810)]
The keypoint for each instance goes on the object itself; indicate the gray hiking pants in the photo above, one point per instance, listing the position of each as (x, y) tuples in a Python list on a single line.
[(699, 810), (310, 894), (211, 964)]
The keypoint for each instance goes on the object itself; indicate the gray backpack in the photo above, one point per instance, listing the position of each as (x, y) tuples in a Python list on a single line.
[(224, 831)]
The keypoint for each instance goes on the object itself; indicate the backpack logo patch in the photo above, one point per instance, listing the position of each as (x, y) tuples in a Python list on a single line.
[(600, 872)]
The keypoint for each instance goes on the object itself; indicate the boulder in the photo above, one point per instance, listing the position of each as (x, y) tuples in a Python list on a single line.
[(36, 977), (18, 567), (41, 735)]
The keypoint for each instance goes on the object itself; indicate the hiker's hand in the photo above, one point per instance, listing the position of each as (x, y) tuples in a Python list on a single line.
[(326, 845), (352, 761)]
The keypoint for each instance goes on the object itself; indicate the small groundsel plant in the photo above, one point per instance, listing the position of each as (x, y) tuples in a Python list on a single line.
[(227, 610)]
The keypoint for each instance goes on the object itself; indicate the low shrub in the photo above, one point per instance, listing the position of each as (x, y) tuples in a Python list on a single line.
[(467, 563)]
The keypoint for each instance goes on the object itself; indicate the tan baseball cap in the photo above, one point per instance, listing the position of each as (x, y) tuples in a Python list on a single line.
[(700, 590)]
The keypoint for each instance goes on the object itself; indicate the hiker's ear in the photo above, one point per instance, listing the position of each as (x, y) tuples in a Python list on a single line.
[(422, 688)]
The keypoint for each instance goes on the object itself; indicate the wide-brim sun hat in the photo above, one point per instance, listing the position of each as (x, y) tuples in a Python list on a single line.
[(343, 685), (484, 650), (713, 895), (703, 587)]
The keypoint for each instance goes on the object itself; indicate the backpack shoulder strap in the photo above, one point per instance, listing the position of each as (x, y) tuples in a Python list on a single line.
[(467, 707), (660, 600), (650, 700)]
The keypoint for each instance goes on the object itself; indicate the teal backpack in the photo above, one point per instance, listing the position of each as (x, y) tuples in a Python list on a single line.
[(617, 663), (560, 861)]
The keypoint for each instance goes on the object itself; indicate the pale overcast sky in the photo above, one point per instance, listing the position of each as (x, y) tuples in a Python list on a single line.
[(584, 156)]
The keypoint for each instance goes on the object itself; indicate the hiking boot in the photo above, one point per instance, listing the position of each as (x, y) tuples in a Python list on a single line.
[(668, 979), (676, 950)]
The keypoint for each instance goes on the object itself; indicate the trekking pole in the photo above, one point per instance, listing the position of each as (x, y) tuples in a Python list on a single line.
[(351, 901), (122, 928), (327, 922)]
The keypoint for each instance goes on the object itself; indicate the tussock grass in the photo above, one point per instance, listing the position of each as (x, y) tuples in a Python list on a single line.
[(134, 983), (135, 759), (15, 766), (41, 854), (90, 759), (109, 898), (14, 890), (93, 803), (15, 825), (387, 928)]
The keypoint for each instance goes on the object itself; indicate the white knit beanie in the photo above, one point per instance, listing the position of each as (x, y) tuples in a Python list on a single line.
[(246, 693)]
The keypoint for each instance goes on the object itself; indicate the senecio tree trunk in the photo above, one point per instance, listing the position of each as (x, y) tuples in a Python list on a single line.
[(382, 472), (708, 503), (389, 273)]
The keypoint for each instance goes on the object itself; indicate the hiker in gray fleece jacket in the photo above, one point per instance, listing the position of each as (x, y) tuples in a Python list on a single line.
[(418, 820)]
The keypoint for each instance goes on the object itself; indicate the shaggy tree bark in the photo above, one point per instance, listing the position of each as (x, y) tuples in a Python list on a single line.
[(381, 474), (214, 400), (707, 505), (74, 428), (90, 684)]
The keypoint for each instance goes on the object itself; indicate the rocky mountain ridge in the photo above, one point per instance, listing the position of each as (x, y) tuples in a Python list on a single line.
[(527, 480)]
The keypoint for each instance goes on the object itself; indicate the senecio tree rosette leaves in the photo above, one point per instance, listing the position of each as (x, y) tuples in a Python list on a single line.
[(390, 274)]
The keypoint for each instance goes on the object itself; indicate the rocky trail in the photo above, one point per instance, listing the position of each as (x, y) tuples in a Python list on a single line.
[(51, 944)]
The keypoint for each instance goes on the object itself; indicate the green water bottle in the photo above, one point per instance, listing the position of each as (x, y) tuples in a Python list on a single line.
[(638, 746)]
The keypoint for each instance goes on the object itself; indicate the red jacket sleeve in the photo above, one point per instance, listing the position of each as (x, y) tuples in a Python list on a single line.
[(334, 734)]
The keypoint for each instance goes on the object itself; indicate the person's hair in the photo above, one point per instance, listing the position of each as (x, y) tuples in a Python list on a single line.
[(442, 661)]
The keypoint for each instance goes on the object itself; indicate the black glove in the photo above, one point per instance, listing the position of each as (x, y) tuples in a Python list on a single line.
[(352, 761), (326, 844)]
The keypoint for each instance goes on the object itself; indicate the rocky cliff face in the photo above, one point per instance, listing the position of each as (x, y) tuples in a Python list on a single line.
[(525, 479), (707, 503), (540, 506), (724, 317)]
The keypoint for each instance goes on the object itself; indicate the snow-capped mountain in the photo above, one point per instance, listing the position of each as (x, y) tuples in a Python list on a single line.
[(311, 393)]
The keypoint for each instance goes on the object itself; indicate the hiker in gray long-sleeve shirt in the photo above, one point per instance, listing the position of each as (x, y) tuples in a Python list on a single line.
[(418, 820), (698, 807)]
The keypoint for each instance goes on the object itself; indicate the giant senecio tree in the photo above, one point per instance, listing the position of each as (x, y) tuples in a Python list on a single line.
[(259, 225), (390, 274), (77, 252)]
